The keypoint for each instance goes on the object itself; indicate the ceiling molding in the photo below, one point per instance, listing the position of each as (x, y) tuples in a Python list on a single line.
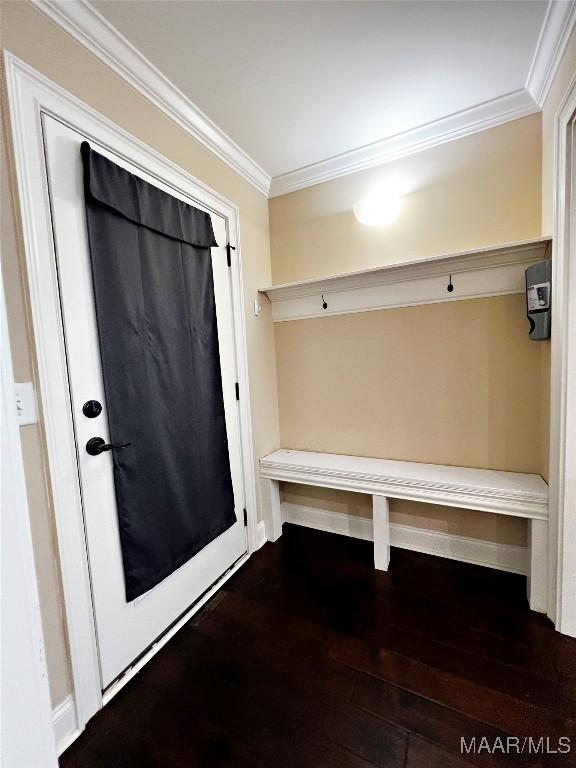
[(472, 120), (556, 30), (93, 31)]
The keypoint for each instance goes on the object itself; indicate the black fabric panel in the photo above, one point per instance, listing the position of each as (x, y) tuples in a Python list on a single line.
[(159, 348), (144, 203)]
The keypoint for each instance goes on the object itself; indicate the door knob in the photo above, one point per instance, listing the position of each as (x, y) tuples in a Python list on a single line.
[(96, 446)]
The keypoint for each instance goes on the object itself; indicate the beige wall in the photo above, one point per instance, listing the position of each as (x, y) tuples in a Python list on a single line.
[(480, 190), (440, 383), (454, 383), (564, 76), (43, 532), (30, 35)]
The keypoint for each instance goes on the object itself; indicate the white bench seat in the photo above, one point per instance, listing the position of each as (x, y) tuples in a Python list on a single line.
[(502, 493)]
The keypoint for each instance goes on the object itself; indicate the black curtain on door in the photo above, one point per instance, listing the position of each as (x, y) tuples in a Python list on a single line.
[(156, 314)]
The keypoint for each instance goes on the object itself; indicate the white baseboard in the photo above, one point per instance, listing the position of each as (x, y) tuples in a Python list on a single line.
[(65, 724), (504, 557), (260, 535), (324, 520)]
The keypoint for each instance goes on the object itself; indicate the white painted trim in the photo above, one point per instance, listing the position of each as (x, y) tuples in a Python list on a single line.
[(562, 537), (270, 495), (27, 738), (66, 728), (492, 271), (538, 570), (86, 25), (261, 534), (504, 493), (325, 520), (30, 94), (464, 123), (554, 35), (504, 557), (381, 532)]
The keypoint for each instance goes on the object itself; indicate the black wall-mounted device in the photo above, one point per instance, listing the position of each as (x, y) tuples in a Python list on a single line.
[(538, 299)]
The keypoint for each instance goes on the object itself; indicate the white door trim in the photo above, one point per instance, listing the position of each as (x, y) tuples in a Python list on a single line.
[(27, 738), (30, 94), (562, 541)]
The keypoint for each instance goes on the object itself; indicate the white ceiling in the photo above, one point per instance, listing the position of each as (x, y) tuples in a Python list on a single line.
[(294, 83)]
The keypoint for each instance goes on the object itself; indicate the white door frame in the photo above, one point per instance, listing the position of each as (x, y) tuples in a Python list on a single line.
[(562, 543), (29, 95)]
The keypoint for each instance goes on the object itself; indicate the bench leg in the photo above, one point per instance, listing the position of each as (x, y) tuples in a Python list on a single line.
[(381, 521), (271, 508), (538, 573)]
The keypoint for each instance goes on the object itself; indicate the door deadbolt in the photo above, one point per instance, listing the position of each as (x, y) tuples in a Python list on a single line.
[(91, 409)]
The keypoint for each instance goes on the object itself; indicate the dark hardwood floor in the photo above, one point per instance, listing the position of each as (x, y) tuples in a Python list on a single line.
[(309, 658)]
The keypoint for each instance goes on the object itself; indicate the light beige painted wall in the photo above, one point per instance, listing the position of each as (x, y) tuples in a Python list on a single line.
[(479, 190), (564, 76), (37, 485), (455, 383), (27, 33), (445, 383)]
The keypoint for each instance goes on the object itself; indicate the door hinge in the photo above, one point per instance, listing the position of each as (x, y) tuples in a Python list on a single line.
[(245, 517), (229, 249), (237, 386)]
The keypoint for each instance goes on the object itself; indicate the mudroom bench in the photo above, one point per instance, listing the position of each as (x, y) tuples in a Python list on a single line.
[(500, 493)]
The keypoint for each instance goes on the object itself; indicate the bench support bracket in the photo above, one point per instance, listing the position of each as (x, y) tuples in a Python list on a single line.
[(381, 522), (271, 508), (538, 566)]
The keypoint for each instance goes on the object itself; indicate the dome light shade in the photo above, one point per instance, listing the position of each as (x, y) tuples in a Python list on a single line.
[(378, 209)]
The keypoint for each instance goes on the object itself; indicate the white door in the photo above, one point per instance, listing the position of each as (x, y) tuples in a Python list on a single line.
[(126, 630)]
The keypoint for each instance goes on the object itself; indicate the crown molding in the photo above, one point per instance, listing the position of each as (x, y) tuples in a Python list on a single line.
[(94, 32), (91, 29), (554, 35), (472, 120)]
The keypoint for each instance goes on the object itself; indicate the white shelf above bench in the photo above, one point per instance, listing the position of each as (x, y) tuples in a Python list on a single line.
[(493, 271)]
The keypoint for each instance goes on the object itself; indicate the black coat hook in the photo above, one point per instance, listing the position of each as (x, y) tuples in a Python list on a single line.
[(450, 287), (324, 303)]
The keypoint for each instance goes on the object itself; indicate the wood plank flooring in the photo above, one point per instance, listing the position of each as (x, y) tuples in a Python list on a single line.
[(311, 659)]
